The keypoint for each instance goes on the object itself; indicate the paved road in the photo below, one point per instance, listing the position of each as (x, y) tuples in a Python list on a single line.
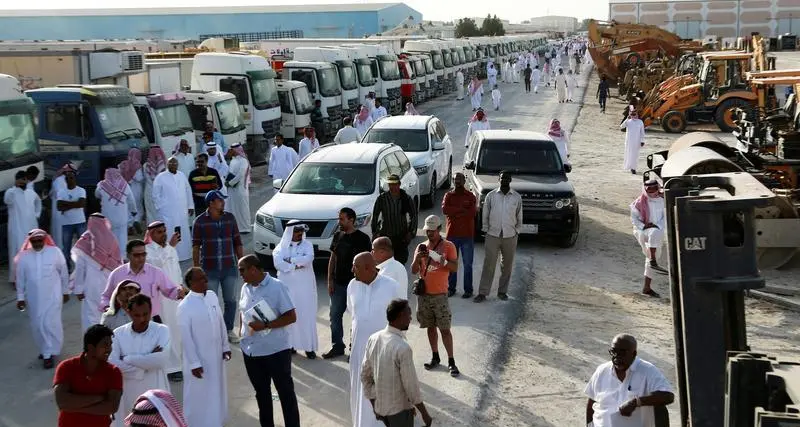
[(322, 386)]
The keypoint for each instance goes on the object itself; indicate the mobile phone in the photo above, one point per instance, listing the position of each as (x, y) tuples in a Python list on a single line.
[(423, 248), (178, 229)]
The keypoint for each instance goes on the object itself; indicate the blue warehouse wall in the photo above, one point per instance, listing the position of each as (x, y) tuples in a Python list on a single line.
[(315, 24), (392, 16)]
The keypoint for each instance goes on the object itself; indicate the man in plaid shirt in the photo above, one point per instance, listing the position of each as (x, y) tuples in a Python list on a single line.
[(216, 248)]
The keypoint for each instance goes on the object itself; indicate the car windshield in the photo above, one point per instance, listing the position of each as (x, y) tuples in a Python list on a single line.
[(520, 157), (174, 120), (328, 82), (407, 139), (347, 74), (389, 70), (331, 179), (365, 77), (230, 118), (119, 121), (265, 93), (302, 100), (17, 135)]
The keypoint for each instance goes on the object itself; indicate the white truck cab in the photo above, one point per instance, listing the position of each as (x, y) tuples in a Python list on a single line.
[(345, 68), (367, 81), (386, 69), (296, 107), (220, 108), (322, 81), (164, 119), (424, 47)]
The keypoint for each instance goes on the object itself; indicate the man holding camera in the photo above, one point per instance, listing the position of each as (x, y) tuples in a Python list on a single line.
[(434, 260)]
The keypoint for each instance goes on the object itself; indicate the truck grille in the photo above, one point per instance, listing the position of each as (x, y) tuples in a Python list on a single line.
[(316, 229), (352, 105), (271, 128), (335, 113)]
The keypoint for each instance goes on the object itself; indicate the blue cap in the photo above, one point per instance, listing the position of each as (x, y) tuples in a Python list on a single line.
[(215, 195)]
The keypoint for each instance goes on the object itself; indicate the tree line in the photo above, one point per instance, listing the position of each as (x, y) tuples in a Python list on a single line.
[(491, 26)]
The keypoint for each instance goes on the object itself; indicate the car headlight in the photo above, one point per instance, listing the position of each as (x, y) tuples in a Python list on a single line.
[(563, 203), (421, 170), (363, 220), (266, 221)]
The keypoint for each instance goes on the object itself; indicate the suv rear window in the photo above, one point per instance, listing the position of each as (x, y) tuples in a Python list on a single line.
[(521, 157)]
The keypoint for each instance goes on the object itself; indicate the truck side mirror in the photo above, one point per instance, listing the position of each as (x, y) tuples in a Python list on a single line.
[(470, 165)]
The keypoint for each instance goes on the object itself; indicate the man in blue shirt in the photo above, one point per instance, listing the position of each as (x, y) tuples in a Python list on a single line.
[(265, 341)]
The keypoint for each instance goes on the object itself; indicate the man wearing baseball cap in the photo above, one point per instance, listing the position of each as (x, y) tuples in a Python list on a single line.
[(434, 260), (395, 217), (217, 247)]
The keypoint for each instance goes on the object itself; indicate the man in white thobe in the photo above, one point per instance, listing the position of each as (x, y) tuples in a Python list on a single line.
[(205, 350), (515, 70), (216, 161), (294, 258), (163, 255), (649, 218), (282, 159), (477, 122), (117, 204), (379, 111), (59, 183), (634, 140), (96, 254), (475, 93), (383, 252), (42, 288), (239, 188), (459, 85), (140, 350), (536, 79), (368, 295), (185, 157), (24, 208), (173, 200), (561, 86), (307, 144), (491, 75)]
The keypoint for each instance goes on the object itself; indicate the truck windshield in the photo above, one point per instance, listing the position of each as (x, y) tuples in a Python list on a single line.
[(429, 68), (17, 135), (331, 178), (119, 121), (230, 118), (173, 120), (438, 62), (328, 82), (407, 139), (448, 60), (302, 100), (419, 68), (265, 93), (389, 69), (519, 157), (365, 77), (348, 77)]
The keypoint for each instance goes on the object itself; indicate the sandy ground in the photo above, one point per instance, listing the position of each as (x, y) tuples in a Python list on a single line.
[(524, 362)]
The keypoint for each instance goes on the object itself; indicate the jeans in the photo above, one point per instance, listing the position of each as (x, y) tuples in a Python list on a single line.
[(225, 278), (70, 233), (338, 307), (465, 245), (275, 368), (602, 103)]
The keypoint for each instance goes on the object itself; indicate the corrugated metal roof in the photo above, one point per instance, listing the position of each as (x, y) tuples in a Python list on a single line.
[(310, 8)]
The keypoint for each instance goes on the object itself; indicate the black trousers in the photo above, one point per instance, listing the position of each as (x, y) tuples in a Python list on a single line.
[(275, 368), (602, 102), (527, 85), (400, 248)]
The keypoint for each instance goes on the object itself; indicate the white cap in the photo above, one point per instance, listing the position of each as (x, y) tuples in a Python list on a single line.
[(432, 222)]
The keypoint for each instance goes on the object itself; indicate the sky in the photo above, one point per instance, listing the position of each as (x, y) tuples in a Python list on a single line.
[(436, 10)]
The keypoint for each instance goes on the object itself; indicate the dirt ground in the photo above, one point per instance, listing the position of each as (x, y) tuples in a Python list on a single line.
[(577, 299)]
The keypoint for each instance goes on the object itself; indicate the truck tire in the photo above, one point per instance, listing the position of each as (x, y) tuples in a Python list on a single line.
[(724, 114), (673, 122)]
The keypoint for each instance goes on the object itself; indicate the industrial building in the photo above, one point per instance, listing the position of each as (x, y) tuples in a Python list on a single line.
[(331, 20), (722, 18), (554, 23)]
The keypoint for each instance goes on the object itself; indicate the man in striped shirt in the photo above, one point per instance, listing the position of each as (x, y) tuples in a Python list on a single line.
[(387, 371), (395, 217), (202, 180)]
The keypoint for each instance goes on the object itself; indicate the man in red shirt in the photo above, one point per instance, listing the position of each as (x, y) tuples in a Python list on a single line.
[(87, 387), (460, 206)]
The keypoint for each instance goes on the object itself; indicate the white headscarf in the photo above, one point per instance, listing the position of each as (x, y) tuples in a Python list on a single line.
[(288, 232)]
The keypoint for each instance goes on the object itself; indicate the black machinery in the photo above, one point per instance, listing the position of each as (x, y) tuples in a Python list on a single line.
[(712, 248)]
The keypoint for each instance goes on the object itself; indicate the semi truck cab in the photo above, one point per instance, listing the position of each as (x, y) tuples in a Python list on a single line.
[(296, 107), (348, 77), (322, 81), (219, 108), (437, 61), (164, 119), (92, 126), (386, 68)]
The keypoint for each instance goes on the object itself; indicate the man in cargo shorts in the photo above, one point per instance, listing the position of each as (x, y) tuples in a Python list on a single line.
[(434, 260)]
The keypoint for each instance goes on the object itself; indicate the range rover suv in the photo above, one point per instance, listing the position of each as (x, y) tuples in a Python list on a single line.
[(549, 205)]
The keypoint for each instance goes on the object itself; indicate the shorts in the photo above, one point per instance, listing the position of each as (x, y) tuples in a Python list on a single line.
[(433, 311)]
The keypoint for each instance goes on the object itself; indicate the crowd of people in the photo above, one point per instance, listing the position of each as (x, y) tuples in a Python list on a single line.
[(148, 325)]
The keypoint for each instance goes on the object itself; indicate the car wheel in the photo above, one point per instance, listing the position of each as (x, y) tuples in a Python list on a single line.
[(569, 240), (430, 199), (449, 181)]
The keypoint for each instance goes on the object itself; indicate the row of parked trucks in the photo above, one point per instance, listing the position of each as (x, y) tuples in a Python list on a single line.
[(90, 107)]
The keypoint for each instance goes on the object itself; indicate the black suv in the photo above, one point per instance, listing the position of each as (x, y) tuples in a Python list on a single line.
[(538, 175)]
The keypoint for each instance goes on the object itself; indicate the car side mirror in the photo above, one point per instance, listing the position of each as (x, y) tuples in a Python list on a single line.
[(470, 165), (568, 168), (438, 146), (277, 183)]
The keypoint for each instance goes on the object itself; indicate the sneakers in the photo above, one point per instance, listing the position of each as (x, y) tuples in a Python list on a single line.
[(233, 338)]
